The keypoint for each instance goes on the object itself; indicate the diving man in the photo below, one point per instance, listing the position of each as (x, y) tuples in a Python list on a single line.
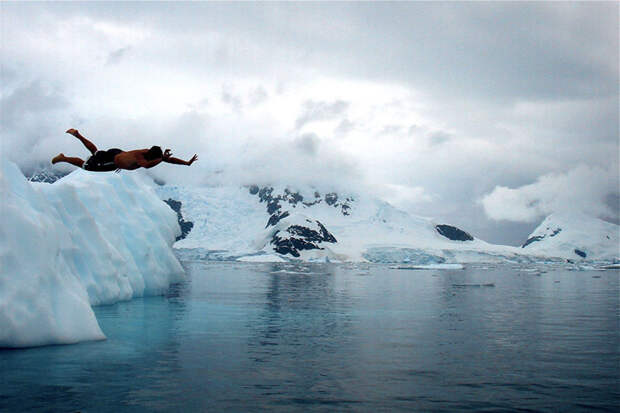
[(114, 159)]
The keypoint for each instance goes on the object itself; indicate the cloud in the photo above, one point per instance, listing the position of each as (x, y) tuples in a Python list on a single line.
[(232, 99), (547, 103), (390, 130), (308, 143), (584, 189), (316, 111), (35, 97), (345, 126), (116, 56), (437, 138), (404, 196), (257, 96)]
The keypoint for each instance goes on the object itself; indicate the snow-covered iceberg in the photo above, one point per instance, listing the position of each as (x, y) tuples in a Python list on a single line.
[(87, 239)]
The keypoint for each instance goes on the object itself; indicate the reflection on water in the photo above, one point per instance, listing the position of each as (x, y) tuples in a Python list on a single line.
[(334, 337)]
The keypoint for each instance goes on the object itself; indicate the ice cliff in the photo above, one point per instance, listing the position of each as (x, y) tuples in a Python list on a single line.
[(84, 240)]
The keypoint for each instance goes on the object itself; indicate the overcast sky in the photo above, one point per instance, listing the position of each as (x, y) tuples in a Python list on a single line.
[(488, 116)]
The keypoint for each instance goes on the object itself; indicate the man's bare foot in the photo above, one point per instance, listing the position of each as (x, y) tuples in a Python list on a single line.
[(58, 158), (73, 132)]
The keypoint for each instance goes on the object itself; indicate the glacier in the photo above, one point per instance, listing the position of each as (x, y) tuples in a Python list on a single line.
[(248, 223), (87, 239)]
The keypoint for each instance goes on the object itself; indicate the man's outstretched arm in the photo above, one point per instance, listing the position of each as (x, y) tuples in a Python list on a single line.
[(178, 161)]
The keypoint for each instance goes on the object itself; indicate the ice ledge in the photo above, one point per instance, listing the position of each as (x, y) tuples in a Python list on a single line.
[(87, 239)]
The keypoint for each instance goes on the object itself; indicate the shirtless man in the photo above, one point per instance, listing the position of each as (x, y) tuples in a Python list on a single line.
[(115, 159)]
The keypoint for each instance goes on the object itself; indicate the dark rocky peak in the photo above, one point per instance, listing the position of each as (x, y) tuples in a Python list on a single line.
[(296, 238), (331, 198), (345, 206), (453, 233), (276, 217), (537, 238), (292, 197), (533, 239), (274, 201), (580, 253), (186, 226)]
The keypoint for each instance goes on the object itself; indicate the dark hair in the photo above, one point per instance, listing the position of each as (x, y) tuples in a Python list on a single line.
[(153, 153)]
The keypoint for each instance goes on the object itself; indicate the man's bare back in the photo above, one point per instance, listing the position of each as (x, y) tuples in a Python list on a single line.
[(113, 159)]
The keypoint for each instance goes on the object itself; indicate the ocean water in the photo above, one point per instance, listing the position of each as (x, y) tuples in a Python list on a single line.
[(324, 337)]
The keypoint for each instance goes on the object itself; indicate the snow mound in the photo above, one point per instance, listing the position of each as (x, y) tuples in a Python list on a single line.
[(87, 239), (575, 236)]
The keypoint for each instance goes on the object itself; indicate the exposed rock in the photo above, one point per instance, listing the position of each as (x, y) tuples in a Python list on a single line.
[(186, 226), (293, 197), (331, 198), (274, 201), (345, 209), (453, 233), (296, 238), (541, 237), (580, 253), (275, 218), (533, 239)]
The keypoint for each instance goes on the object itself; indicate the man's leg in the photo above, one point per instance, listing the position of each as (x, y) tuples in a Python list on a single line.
[(73, 161), (89, 145)]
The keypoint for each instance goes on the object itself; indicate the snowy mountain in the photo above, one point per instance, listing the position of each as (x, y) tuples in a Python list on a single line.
[(275, 223), (574, 236), (282, 223)]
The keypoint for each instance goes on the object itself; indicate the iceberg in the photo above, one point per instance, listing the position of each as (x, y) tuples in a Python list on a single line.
[(87, 239)]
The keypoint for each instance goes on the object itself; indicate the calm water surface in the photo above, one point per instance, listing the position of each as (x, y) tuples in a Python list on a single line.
[(320, 337)]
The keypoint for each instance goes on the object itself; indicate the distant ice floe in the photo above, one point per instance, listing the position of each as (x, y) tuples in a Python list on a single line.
[(429, 267), (86, 239)]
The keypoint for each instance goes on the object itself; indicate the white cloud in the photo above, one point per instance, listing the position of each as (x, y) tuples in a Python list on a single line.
[(404, 196), (581, 189), (326, 93)]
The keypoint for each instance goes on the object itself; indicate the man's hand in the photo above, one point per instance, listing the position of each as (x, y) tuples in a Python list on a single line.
[(191, 161), (167, 154), (72, 131)]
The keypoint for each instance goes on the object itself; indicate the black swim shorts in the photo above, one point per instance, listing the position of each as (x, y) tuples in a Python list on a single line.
[(102, 161)]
